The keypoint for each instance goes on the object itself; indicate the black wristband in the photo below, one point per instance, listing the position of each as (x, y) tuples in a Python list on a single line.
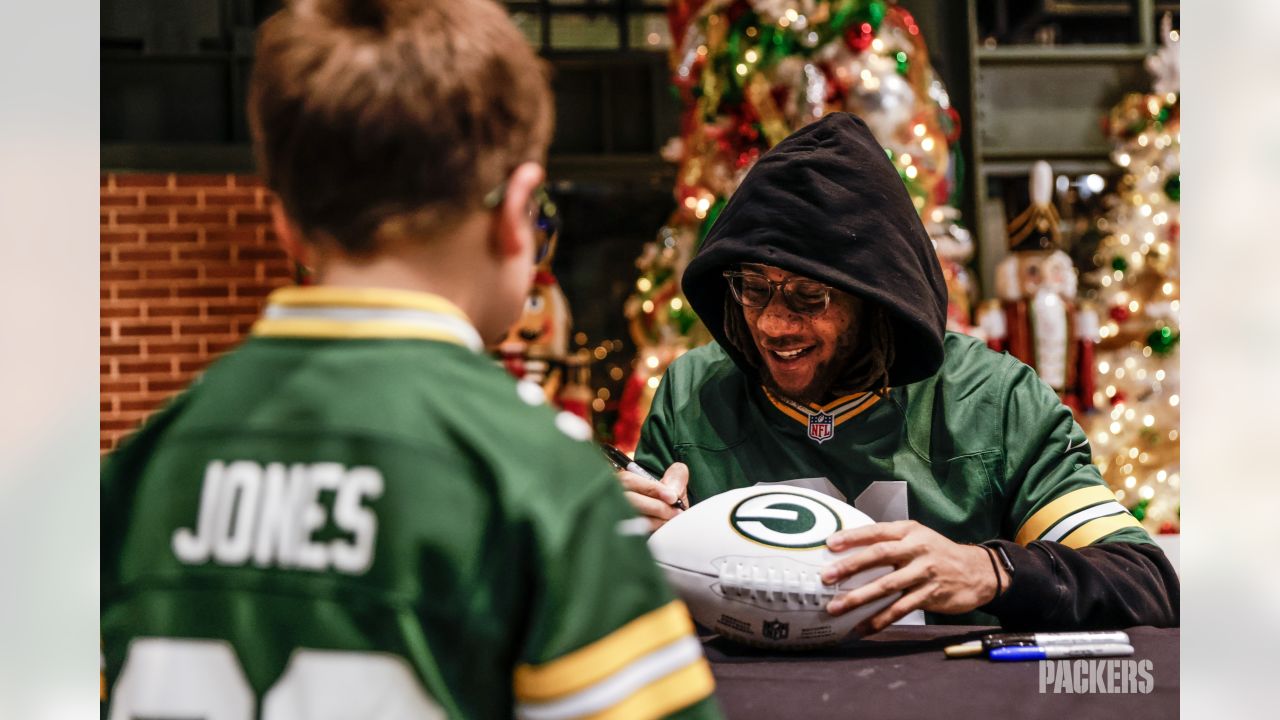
[(991, 555), (998, 553)]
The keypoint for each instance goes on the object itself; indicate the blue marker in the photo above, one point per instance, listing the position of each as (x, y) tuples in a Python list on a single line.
[(1057, 652), (995, 640)]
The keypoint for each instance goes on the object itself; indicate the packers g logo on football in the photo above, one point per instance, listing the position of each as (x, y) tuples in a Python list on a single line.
[(785, 520)]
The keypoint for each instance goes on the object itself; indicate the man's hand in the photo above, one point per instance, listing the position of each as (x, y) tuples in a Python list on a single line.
[(932, 572), (654, 500)]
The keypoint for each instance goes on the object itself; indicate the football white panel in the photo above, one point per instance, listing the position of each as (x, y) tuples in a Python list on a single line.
[(747, 563)]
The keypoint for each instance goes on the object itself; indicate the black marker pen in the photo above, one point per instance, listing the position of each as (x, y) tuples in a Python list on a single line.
[(620, 461), (998, 640)]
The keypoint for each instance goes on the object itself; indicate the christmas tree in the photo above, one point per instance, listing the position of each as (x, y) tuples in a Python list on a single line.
[(752, 72), (1135, 431)]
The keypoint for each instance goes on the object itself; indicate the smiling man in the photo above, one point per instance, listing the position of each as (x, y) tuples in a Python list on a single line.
[(832, 370), (805, 341)]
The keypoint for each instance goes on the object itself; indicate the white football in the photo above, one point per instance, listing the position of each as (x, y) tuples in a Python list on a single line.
[(747, 562)]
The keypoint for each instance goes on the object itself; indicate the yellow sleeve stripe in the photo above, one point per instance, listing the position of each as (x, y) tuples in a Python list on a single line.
[(653, 686), (1049, 515), (588, 665), (663, 697), (1095, 530)]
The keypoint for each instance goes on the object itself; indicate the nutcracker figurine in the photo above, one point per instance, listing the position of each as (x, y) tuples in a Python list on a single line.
[(1036, 317), (536, 346)]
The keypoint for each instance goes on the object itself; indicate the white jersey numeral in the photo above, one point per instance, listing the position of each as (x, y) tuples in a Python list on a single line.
[(203, 679), (170, 678), (884, 500)]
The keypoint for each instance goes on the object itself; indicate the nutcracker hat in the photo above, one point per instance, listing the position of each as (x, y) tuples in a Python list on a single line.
[(1036, 228)]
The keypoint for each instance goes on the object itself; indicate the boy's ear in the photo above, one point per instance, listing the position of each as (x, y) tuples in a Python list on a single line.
[(289, 236), (513, 231)]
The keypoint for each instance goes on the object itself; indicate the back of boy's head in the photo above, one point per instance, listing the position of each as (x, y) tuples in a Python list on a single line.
[(381, 120)]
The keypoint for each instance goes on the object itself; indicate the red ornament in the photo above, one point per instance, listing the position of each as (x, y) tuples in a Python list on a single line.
[(941, 192), (1118, 398), (858, 37), (1168, 528), (836, 93), (1175, 231), (680, 13), (1119, 313), (953, 135), (626, 430)]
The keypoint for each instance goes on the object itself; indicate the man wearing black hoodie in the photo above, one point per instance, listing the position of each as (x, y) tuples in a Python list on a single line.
[(832, 370)]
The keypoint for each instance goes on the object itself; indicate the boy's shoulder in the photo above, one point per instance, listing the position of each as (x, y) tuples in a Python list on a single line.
[(393, 389), (421, 403)]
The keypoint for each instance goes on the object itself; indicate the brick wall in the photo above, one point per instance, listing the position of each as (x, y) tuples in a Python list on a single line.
[(187, 261)]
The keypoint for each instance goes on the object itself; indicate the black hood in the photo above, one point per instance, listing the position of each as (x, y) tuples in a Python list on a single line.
[(828, 204)]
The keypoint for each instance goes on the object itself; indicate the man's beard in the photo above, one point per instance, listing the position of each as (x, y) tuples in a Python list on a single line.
[(824, 384)]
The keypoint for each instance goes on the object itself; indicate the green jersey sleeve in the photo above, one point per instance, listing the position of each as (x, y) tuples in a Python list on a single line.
[(1053, 489), (609, 639), (656, 449)]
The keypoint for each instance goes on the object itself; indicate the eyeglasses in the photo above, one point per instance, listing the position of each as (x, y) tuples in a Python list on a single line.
[(802, 295), (546, 219)]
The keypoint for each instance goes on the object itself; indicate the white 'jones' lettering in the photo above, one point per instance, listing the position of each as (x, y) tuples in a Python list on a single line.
[(268, 516)]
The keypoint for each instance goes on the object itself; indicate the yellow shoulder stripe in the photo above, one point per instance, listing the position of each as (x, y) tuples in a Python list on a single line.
[(324, 296), (330, 328), (665, 696), (1099, 528), (1047, 516), (590, 664)]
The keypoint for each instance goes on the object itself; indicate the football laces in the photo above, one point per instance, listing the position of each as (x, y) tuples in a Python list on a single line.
[(776, 582)]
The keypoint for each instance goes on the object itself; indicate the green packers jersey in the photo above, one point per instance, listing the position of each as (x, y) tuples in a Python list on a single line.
[(357, 515), (981, 450)]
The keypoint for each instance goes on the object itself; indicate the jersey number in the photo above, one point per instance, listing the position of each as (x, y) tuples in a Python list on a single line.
[(884, 500), (203, 679)]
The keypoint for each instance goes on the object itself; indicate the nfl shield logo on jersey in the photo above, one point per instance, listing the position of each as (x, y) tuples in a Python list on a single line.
[(775, 630), (821, 427)]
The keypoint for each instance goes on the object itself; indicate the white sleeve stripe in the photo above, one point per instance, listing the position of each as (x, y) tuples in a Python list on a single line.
[(1066, 525), (620, 685)]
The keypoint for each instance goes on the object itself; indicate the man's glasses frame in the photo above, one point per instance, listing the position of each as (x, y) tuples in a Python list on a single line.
[(546, 219), (819, 293)]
